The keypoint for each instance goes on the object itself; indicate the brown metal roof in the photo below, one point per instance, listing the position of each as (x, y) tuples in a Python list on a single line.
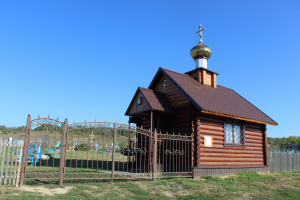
[(156, 100), (221, 100)]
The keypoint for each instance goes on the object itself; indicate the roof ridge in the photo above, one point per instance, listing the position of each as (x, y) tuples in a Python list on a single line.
[(152, 90), (175, 72), (144, 88)]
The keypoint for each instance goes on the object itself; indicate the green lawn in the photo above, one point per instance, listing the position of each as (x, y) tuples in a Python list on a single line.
[(241, 186)]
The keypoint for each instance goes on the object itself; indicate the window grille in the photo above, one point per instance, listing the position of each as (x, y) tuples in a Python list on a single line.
[(234, 132)]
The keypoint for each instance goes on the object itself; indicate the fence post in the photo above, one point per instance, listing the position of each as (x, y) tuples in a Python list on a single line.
[(2, 165), (63, 150), (0, 144), (12, 161), (25, 154), (154, 163), (113, 155)]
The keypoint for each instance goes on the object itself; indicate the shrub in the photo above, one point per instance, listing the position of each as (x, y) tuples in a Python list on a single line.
[(82, 147), (212, 178)]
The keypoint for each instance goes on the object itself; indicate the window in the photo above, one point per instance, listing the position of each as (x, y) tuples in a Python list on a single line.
[(234, 132), (139, 101)]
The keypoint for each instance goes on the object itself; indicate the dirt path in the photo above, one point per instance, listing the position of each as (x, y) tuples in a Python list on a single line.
[(46, 191)]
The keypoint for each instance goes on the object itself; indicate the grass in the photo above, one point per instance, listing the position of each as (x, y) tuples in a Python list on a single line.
[(251, 185)]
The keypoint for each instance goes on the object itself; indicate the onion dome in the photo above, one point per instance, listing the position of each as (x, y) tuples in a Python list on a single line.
[(200, 51)]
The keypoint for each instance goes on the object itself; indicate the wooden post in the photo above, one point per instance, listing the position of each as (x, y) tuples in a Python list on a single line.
[(7, 162), (113, 155), (63, 151), (198, 141), (265, 146), (2, 165), (16, 163), (150, 148), (25, 154), (155, 156), (11, 162), (19, 164)]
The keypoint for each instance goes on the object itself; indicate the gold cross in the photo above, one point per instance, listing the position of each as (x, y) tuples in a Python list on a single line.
[(200, 32)]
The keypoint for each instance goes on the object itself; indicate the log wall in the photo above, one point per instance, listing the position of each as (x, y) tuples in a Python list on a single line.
[(173, 94), (182, 120), (145, 123), (219, 155)]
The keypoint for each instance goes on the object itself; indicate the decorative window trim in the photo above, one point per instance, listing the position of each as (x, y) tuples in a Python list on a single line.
[(234, 122), (139, 101)]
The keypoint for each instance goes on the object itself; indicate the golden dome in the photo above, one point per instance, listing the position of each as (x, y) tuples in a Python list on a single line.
[(200, 50)]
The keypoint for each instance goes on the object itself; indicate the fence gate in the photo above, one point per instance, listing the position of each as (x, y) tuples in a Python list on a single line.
[(174, 155), (42, 149), (101, 150)]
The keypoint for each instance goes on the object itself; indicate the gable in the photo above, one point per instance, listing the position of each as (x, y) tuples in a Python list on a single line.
[(134, 107), (150, 100), (173, 94)]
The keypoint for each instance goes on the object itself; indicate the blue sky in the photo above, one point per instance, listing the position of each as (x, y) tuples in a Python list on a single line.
[(83, 60)]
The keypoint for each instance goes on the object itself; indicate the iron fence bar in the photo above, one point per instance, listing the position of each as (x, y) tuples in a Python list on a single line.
[(185, 156), (173, 157), (140, 138), (76, 166), (113, 152), (135, 155), (119, 133), (72, 146), (123, 148), (163, 155), (154, 163), (145, 155), (107, 150), (25, 154), (63, 152), (102, 166), (98, 131)]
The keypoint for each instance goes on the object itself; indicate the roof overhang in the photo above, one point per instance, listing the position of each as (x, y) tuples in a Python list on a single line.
[(235, 117)]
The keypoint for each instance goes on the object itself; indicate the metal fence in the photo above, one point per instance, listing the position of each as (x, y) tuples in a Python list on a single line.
[(102, 150), (284, 161), (10, 161)]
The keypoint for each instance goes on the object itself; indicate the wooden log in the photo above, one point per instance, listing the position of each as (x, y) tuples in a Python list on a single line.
[(211, 120), (211, 128), (226, 155), (214, 137), (253, 137), (206, 132), (234, 148), (254, 141), (206, 150), (214, 159), (253, 134), (230, 163), (254, 145)]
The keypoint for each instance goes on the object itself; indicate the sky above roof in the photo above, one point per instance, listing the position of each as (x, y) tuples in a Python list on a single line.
[(83, 60)]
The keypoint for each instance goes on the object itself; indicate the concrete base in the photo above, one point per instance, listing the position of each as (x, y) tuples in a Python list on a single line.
[(200, 171)]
